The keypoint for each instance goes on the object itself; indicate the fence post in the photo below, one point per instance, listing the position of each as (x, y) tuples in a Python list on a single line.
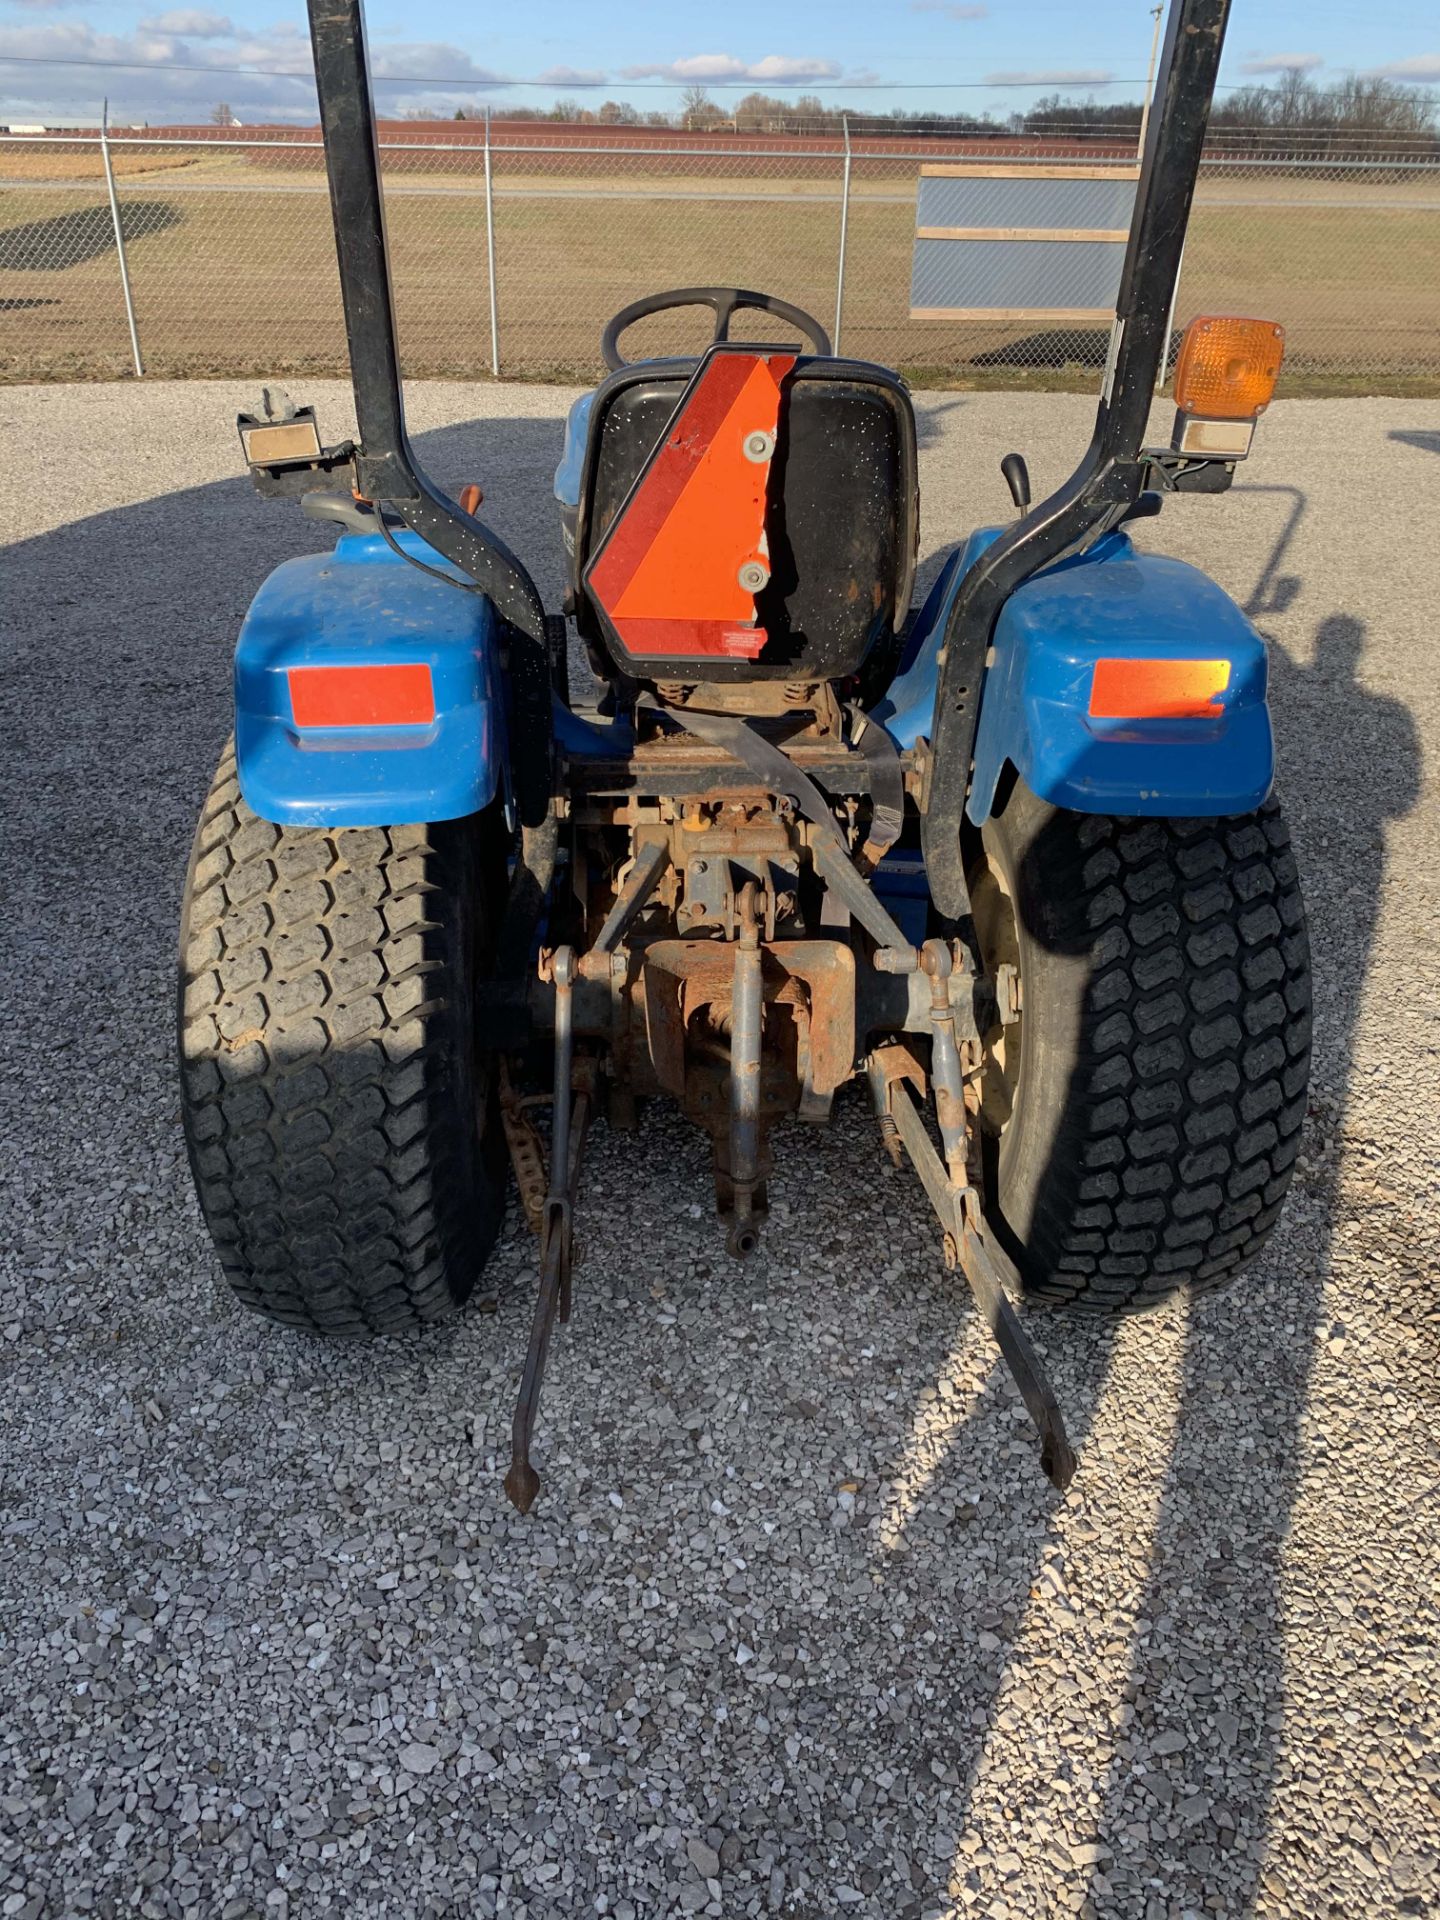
[(844, 223), (1164, 373), (119, 237), (490, 253)]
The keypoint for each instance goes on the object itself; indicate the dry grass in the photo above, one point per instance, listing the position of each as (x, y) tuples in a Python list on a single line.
[(242, 279), (84, 163)]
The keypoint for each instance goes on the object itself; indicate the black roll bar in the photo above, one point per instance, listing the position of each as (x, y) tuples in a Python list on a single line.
[(386, 470), (1112, 474)]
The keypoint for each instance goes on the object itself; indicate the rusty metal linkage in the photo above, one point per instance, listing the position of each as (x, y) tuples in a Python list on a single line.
[(958, 1209), (522, 1482), (651, 859), (747, 1022), (527, 1156), (938, 962)]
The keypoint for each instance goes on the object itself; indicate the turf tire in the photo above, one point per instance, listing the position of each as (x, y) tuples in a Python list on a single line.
[(338, 1121), (1164, 1048)]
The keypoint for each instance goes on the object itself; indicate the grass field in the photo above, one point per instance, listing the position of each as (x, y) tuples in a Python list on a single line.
[(232, 270), (84, 163)]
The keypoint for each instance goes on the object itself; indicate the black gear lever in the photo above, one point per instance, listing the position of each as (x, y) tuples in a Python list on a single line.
[(1017, 478)]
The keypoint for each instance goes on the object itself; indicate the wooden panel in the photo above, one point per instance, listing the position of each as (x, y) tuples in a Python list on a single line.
[(1013, 314), (936, 171), (1022, 233)]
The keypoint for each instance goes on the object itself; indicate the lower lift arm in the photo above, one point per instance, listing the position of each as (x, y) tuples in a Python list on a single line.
[(952, 1186)]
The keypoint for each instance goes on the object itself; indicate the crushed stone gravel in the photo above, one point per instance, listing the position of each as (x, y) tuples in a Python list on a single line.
[(798, 1628)]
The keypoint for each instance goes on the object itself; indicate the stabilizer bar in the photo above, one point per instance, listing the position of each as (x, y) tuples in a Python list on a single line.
[(897, 1086), (567, 1140), (1057, 1459)]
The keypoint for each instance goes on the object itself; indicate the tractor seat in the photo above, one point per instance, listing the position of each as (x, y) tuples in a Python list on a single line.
[(841, 513)]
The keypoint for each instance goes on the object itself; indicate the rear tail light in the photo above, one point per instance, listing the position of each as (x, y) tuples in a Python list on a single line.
[(399, 695), (1158, 689)]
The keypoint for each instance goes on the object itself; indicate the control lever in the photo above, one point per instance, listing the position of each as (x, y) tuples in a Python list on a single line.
[(1017, 478)]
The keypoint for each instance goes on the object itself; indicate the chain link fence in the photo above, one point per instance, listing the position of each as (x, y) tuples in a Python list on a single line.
[(195, 255)]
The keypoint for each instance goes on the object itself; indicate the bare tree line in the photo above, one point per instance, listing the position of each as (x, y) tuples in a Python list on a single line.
[(1294, 104)]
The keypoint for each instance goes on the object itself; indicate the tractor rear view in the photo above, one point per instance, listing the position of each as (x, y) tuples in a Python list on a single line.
[(1009, 857)]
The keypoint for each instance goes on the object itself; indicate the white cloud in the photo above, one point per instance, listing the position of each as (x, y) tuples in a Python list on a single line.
[(1423, 68), (162, 75), (698, 68), (191, 23), (181, 60), (74, 40), (428, 103), (1050, 77), (37, 90), (573, 77), (430, 60), (949, 9), (1282, 63), (777, 66)]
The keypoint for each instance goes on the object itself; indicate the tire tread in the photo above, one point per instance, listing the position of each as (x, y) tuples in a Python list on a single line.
[(328, 1102), (1187, 1090)]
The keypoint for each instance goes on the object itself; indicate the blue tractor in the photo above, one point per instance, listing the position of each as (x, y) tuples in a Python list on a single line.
[(1009, 857)]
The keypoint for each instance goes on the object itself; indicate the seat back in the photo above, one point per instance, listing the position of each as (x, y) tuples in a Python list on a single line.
[(678, 526)]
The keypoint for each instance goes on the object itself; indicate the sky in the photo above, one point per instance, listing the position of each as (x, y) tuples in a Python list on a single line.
[(944, 55)]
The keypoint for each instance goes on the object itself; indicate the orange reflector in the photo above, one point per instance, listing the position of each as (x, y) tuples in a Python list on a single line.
[(678, 573), (1158, 689), (389, 696), (1228, 368)]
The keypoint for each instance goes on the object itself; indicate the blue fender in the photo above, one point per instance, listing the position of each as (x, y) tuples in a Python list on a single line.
[(1115, 603), (362, 606)]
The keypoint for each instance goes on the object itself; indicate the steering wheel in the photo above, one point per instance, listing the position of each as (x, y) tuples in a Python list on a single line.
[(722, 302)]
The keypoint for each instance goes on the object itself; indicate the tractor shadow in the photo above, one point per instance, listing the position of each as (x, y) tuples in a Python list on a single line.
[(1235, 1459), (930, 413), (1276, 591), (1182, 1804)]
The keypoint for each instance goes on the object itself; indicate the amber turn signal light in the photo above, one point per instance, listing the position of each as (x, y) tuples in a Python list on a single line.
[(1228, 368)]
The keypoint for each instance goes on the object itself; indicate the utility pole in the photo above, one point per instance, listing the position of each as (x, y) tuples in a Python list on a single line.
[(1155, 13)]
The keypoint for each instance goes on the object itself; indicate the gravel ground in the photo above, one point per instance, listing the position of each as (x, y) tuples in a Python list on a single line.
[(798, 1627)]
